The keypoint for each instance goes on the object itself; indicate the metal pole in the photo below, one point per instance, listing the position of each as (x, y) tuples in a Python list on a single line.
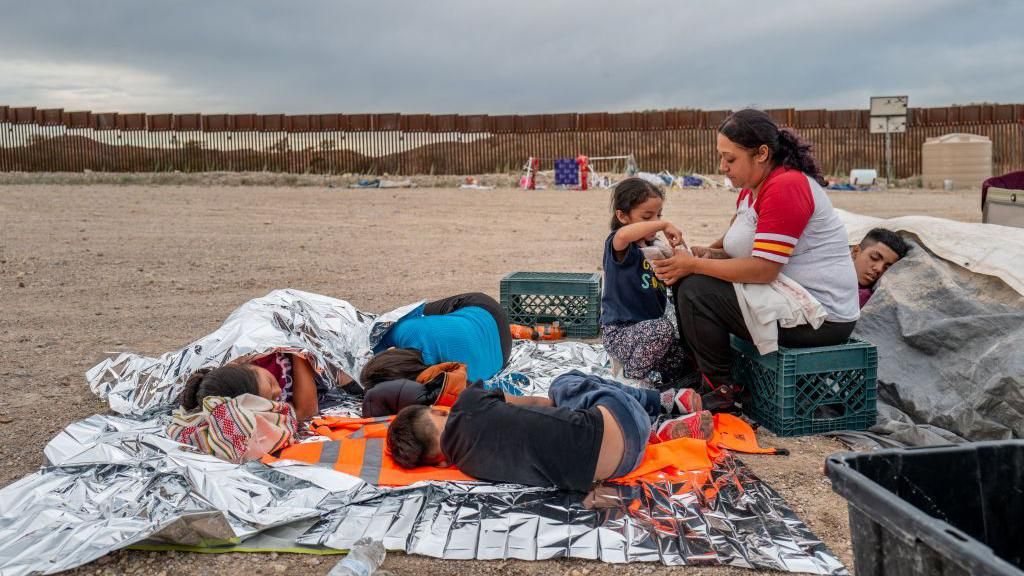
[(888, 156)]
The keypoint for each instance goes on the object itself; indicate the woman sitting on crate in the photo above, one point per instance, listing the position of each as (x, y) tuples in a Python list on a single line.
[(784, 223), (428, 356)]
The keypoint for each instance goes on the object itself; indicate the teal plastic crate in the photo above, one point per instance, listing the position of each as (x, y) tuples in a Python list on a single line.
[(571, 298), (799, 391)]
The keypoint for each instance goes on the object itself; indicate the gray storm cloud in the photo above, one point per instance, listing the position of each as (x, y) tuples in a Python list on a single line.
[(522, 57)]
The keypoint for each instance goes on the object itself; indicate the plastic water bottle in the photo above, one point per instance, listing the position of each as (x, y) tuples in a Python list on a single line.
[(363, 559)]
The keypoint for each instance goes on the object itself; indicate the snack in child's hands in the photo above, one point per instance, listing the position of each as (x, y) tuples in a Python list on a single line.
[(657, 250)]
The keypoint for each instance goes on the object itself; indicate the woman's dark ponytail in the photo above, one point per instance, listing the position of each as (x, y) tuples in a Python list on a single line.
[(189, 396), (795, 152), (752, 129)]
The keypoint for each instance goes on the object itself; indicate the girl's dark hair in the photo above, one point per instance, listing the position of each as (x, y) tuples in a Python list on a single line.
[(753, 128), (393, 364), (229, 380), (629, 193)]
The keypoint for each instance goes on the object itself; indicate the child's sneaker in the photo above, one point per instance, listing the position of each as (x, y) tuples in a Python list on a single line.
[(687, 401), (699, 425), (680, 401)]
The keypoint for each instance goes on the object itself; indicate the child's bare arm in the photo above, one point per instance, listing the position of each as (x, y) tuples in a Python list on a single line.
[(632, 232), (303, 389)]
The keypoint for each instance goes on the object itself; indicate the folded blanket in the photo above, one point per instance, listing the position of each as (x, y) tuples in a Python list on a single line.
[(783, 302)]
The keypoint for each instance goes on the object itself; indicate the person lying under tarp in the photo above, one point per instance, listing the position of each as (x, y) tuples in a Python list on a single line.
[(466, 333), (880, 249), (471, 329), (589, 429), (249, 407), (279, 377)]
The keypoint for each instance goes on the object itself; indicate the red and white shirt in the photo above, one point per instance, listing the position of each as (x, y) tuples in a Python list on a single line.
[(792, 222)]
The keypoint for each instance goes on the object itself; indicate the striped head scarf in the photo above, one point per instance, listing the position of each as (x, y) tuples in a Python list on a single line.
[(237, 429)]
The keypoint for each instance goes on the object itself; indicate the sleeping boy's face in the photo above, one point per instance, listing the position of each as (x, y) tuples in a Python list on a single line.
[(434, 421), (872, 261)]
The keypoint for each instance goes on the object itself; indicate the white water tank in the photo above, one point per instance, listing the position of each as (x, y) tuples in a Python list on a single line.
[(963, 159), (863, 177)]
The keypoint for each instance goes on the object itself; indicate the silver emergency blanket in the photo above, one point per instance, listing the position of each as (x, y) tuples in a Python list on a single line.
[(111, 482), (335, 337), (948, 322), (532, 366), (745, 524), (114, 481)]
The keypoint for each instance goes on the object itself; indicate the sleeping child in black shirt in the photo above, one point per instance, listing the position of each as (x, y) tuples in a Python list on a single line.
[(588, 429)]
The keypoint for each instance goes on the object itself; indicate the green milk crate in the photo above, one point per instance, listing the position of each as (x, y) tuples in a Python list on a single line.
[(800, 391), (572, 299)]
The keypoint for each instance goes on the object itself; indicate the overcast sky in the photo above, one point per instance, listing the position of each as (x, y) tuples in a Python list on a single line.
[(527, 56)]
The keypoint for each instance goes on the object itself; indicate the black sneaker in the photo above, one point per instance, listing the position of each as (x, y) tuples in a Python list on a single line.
[(721, 399)]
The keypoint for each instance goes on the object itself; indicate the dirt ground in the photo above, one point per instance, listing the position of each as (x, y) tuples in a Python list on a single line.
[(87, 270)]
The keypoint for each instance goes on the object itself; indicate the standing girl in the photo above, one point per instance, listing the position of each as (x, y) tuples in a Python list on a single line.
[(635, 330)]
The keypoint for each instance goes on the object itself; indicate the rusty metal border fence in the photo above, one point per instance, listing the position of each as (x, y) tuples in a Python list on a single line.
[(53, 140)]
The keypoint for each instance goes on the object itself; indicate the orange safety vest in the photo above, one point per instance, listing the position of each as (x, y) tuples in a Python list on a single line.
[(453, 381), (676, 459), (689, 460), (733, 433), (358, 447)]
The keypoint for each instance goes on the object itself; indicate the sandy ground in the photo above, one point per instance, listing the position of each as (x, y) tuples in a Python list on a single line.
[(90, 270)]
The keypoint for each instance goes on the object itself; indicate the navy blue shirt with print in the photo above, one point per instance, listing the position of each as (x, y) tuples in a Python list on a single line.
[(631, 292)]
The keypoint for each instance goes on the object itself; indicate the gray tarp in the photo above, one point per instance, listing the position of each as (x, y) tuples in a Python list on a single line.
[(948, 322)]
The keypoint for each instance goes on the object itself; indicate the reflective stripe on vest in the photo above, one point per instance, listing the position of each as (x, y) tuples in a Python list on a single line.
[(373, 461), (359, 448)]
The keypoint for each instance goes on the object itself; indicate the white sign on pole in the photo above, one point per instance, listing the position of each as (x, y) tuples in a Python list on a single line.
[(897, 124), (888, 124), (888, 116), (889, 105)]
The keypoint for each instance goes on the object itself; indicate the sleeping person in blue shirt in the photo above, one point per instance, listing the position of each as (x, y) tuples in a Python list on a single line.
[(471, 329)]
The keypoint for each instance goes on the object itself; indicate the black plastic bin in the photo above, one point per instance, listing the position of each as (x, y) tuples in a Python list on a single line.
[(935, 510)]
